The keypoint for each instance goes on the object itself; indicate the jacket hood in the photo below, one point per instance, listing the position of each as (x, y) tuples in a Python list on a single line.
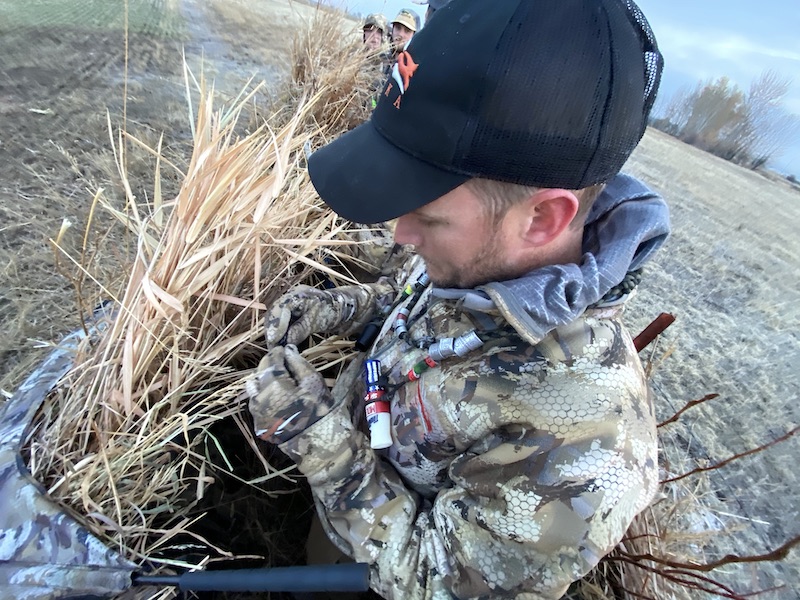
[(627, 223)]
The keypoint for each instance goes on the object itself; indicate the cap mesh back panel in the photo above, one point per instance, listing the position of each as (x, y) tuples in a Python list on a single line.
[(556, 80), (653, 60)]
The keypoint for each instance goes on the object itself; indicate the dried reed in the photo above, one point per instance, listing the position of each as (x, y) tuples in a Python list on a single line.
[(323, 60), (126, 440)]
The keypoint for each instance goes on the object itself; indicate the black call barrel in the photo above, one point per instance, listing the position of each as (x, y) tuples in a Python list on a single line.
[(348, 577)]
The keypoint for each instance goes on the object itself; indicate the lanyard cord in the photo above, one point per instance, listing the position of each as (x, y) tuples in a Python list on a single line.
[(400, 326), (378, 388), (437, 350)]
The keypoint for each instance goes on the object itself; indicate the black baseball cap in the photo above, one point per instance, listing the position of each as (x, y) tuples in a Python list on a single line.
[(544, 93)]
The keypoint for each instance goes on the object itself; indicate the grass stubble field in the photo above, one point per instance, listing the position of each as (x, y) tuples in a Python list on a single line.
[(729, 273)]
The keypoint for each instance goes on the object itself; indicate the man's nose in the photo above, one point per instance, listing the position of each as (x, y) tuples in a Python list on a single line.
[(404, 232)]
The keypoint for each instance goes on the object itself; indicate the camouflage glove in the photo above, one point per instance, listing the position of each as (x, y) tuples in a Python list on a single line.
[(306, 310), (287, 395)]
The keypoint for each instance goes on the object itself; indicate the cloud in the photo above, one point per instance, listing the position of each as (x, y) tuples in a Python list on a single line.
[(707, 54), (737, 47), (701, 51)]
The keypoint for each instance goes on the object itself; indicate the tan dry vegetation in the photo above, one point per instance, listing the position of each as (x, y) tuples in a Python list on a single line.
[(136, 410), (728, 273), (55, 149), (132, 438)]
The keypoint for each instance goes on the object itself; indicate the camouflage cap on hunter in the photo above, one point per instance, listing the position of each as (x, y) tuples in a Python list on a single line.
[(376, 20)]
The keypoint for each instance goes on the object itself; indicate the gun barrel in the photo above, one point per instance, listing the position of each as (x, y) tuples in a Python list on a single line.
[(349, 577)]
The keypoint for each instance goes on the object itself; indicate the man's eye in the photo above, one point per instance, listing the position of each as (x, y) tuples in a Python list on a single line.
[(429, 222)]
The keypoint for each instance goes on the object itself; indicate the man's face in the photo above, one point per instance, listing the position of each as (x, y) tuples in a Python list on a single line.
[(461, 246), (372, 37), (400, 36)]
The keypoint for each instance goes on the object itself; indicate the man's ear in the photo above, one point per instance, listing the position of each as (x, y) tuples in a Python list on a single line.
[(549, 213)]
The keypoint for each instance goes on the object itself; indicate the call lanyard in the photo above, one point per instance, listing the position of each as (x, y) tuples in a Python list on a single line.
[(376, 398), (437, 350)]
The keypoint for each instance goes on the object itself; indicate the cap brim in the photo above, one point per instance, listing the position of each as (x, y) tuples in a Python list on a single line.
[(366, 179)]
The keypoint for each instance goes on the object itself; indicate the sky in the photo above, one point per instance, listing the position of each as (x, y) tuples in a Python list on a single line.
[(705, 39)]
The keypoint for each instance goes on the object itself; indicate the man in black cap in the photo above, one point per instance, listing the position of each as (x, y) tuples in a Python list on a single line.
[(511, 435)]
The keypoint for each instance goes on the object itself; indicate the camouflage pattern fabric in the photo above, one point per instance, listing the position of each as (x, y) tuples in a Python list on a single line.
[(306, 310), (287, 395), (44, 553), (513, 469), (377, 249)]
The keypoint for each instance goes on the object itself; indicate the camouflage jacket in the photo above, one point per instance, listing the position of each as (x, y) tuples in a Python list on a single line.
[(513, 469), (45, 553)]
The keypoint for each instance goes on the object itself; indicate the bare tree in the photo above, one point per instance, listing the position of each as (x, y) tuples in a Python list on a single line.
[(772, 127), (675, 112), (715, 107), (717, 116)]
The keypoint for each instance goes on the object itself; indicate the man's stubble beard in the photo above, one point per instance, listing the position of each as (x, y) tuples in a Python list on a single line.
[(488, 265)]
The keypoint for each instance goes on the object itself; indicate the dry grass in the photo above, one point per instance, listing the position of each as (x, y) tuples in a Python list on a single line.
[(126, 441), (55, 147), (728, 273)]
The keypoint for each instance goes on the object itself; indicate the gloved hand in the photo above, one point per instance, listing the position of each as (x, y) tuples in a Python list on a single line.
[(306, 310), (286, 394)]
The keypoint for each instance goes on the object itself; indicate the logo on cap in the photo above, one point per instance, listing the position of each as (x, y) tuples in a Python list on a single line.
[(402, 72)]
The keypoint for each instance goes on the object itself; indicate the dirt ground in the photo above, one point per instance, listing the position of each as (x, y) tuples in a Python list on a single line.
[(729, 273), (60, 83)]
